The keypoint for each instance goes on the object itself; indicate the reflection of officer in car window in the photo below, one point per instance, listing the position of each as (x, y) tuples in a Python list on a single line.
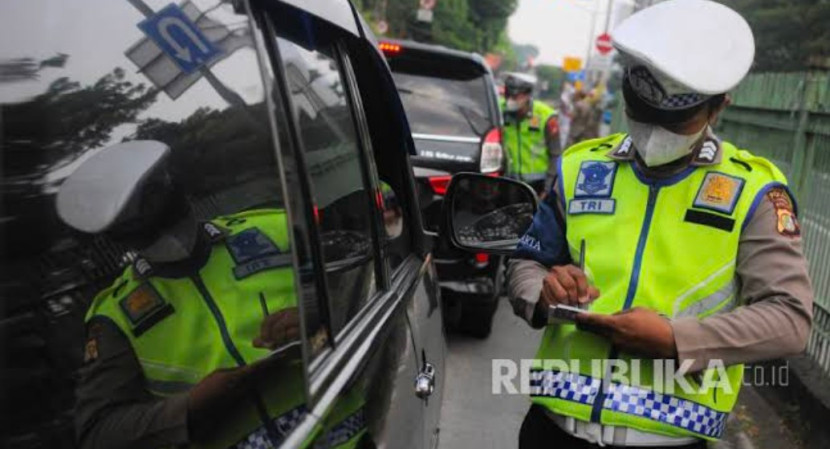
[(392, 211), (179, 347)]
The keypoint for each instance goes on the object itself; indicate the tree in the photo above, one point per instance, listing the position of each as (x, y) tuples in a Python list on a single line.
[(469, 25), (524, 54), (490, 18), (788, 33), (58, 126), (550, 80)]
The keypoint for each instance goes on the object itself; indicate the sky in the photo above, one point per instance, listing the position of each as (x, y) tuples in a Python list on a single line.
[(560, 28)]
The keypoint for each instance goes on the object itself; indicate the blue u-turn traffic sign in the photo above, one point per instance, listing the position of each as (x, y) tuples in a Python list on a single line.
[(179, 38)]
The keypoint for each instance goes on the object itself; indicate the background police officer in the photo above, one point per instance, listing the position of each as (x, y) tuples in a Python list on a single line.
[(531, 132), (693, 249)]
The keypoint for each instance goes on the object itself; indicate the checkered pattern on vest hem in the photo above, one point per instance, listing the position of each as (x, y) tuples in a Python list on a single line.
[(284, 423), (569, 386), (667, 409), (635, 401), (343, 432)]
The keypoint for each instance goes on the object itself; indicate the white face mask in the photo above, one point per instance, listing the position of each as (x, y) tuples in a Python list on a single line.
[(511, 105), (657, 145)]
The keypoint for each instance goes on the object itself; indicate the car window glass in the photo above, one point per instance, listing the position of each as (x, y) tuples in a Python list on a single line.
[(340, 198), (444, 106), (194, 277), (392, 212)]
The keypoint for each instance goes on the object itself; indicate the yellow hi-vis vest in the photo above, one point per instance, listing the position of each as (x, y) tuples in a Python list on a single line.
[(182, 329), (667, 245), (525, 144)]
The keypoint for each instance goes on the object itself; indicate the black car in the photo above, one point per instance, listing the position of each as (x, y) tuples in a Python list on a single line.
[(279, 112), (452, 105)]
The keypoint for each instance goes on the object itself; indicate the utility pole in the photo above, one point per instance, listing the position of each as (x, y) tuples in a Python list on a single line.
[(608, 16), (591, 38)]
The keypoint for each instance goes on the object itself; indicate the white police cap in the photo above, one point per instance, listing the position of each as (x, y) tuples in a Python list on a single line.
[(98, 193), (519, 80), (692, 49)]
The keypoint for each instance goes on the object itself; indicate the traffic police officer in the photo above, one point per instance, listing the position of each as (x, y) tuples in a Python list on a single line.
[(531, 132), (197, 342), (692, 253)]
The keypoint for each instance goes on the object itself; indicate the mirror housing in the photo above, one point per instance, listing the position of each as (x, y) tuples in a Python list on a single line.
[(487, 214)]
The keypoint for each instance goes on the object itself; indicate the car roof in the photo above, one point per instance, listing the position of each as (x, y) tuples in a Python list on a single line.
[(441, 50), (337, 12)]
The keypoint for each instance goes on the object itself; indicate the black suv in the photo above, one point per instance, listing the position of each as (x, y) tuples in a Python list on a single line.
[(452, 105)]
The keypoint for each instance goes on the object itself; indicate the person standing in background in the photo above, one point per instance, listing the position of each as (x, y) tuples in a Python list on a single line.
[(584, 124)]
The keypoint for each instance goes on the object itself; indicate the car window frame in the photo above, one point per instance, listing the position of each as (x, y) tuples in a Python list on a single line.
[(322, 369), (334, 368)]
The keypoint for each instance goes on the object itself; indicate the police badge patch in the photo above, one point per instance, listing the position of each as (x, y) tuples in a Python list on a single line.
[(144, 307), (786, 222), (719, 192), (534, 123), (595, 179), (250, 244)]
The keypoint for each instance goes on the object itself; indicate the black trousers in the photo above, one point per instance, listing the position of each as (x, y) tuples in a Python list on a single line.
[(540, 432)]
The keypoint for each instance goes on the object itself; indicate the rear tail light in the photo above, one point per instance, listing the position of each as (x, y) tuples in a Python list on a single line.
[(492, 153), (481, 260), (389, 49), (439, 184)]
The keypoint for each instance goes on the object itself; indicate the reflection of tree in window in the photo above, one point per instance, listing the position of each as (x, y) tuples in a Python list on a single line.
[(57, 127), (46, 134), (206, 144)]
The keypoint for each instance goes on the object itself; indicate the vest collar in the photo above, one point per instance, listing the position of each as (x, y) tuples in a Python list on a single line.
[(707, 153), (208, 235)]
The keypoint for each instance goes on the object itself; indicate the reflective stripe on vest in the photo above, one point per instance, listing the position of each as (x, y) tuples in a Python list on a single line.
[(642, 250)]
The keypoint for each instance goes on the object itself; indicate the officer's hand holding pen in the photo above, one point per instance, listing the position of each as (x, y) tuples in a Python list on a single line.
[(567, 285), (279, 328), (223, 389)]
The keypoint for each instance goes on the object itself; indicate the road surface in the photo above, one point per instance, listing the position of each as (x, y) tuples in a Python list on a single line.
[(471, 416)]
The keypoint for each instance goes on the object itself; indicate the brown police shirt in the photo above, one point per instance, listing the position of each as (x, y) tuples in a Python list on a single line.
[(113, 407), (774, 285)]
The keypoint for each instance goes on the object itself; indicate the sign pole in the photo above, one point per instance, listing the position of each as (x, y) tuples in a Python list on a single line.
[(608, 16), (591, 40)]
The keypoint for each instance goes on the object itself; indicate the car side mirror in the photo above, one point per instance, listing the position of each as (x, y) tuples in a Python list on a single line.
[(487, 214)]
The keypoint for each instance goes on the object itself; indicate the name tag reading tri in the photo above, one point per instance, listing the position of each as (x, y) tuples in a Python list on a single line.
[(594, 185), (253, 252), (592, 206)]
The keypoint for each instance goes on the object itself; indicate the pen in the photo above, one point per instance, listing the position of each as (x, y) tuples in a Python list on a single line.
[(583, 302)]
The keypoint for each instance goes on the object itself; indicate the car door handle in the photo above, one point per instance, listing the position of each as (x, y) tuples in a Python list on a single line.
[(425, 381)]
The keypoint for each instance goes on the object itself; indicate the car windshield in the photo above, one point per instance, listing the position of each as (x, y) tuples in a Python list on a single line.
[(445, 106)]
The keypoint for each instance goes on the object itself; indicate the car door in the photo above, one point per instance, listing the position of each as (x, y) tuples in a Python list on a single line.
[(423, 300), (357, 233)]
